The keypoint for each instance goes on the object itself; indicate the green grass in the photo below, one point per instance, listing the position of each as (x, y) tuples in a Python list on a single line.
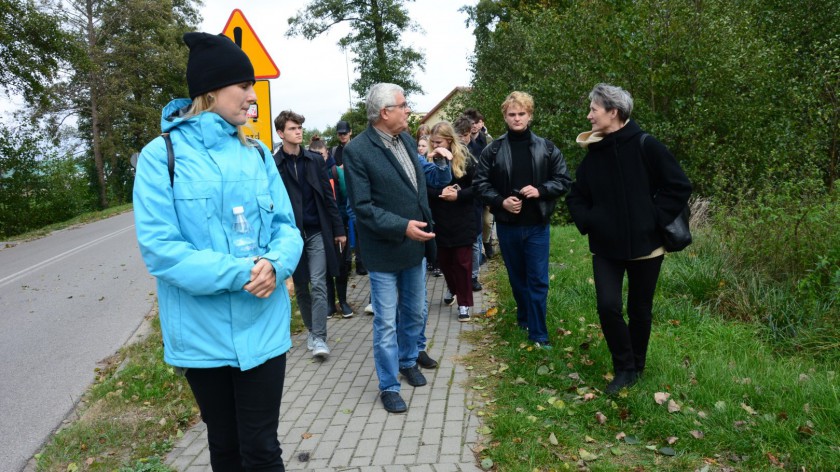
[(81, 219), (756, 403)]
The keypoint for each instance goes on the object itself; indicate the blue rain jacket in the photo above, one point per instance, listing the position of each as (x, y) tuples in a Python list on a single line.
[(185, 234)]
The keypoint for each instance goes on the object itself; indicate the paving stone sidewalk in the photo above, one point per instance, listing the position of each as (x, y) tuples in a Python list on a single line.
[(332, 419)]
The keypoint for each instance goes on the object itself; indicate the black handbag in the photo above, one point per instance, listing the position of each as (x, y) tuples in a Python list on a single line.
[(676, 235)]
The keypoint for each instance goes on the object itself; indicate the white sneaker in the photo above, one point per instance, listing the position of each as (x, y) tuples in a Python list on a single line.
[(369, 309), (320, 349), (310, 342)]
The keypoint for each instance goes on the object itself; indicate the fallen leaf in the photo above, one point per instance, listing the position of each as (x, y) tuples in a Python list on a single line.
[(620, 436), (487, 463), (609, 376), (306, 435), (650, 447), (600, 417), (72, 467), (588, 396), (531, 418), (667, 451), (89, 461), (520, 381), (774, 461), (553, 439), (616, 451), (803, 377), (540, 408), (673, 407), (589, 439), (574, 376), (491, 312), (586, 455), (806, 431), (697, 434), (671, 439), (702, 414), (478, 387), (748, 409), (739, 424), (720, 405), (661, 397), (543, 370)]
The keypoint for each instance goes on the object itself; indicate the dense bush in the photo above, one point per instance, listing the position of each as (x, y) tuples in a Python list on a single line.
[(37, 189)]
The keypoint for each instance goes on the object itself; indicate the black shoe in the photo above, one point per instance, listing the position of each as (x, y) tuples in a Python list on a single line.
[(361, 271), (436, 273), (346, 311), (622, 379), (426, 362), (488, 250), (482, 259), (476, 284), (414, 377), (393, 402), (448, 298)]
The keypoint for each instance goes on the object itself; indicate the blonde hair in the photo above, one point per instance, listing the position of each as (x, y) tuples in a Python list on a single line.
[(205, 102), (521, 99), (460, 154)]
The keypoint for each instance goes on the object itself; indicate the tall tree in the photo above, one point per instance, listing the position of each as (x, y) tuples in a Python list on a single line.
[(133, 62), (375, 30), (32, 47)]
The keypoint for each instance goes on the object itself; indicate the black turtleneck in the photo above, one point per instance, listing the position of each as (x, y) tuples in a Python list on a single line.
[(522, 174)]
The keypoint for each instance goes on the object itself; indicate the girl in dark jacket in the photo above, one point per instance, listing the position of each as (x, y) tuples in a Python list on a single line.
[(456, 222), (627, 186)]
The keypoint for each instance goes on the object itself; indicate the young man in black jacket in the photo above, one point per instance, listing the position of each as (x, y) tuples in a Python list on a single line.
[(305, 176), (520, 176)]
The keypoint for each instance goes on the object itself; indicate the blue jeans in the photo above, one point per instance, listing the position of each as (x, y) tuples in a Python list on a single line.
[(476, 253), (525, 252), (311, 286), (421, 340), (398, 299)]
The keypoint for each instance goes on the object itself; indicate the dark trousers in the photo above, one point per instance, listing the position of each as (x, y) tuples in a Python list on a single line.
[(525, 252), (337, 286), (241, 410), (628, 342), (456, 265)]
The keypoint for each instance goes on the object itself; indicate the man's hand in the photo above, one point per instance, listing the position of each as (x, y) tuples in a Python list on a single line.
[(512, 205), (263, 279), (341, 241), (416, 231), (529, 191)]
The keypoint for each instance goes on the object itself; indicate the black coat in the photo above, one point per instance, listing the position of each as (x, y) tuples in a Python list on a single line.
[(328, 217), (457, 222), (612, 200)]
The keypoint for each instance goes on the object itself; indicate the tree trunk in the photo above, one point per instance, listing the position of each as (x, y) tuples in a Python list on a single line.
[(93, 86)]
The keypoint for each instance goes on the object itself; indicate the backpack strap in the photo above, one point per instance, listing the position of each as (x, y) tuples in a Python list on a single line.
[(170, 158), (170, 155)]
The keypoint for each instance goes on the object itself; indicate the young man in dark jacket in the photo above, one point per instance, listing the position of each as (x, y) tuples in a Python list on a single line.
[(520, 176), (316, 215)]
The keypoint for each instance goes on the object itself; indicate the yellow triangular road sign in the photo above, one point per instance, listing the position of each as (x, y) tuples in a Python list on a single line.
[(239, 30)]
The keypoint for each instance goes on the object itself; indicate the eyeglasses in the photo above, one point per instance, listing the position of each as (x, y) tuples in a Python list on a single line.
[(401, 106)]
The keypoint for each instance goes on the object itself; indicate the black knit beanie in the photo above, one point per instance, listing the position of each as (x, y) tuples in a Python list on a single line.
[(215, 62)]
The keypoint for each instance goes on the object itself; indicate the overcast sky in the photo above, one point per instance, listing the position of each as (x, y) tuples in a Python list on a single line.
[(313, 74)]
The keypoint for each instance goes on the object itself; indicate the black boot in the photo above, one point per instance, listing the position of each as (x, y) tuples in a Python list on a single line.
[(622, 379), (488, 249)]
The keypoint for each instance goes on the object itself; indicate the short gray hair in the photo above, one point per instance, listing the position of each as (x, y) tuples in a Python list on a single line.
[(612, 97), (380, 96)]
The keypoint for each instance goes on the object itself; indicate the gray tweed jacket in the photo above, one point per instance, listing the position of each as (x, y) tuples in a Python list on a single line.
[(383, 199)]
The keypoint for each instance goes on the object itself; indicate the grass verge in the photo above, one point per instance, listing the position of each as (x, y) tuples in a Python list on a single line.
[(728, 399), (81, 219), (132, 415)]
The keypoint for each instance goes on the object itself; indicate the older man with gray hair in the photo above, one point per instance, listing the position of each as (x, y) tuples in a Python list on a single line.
[(386, 188)]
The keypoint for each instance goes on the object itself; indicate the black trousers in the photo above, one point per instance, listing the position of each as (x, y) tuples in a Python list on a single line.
[(337, 286), (241, 410), (628, 342)]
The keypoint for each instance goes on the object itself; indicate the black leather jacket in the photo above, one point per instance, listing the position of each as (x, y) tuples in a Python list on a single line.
[(493, 176)]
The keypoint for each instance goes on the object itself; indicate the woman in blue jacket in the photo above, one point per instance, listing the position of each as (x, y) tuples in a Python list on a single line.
[(224, 320)]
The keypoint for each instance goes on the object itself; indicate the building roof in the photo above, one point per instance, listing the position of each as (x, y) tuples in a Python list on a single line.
[(443, 102)]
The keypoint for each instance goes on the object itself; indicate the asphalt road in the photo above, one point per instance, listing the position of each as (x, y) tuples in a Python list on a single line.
[(67, 301)]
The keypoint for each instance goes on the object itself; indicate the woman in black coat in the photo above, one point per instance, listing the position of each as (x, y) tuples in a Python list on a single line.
[(627, 187), (456, 221)]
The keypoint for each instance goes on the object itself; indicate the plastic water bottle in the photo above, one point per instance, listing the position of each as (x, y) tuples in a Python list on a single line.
[(244, 242)]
